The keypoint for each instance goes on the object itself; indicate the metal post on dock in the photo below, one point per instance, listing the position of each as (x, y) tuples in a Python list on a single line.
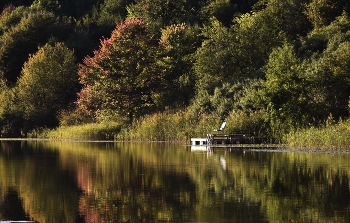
[(209, 139)]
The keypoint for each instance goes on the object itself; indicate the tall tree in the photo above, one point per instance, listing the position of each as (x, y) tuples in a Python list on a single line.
[(284, 90), (329, 70), (289, 15), (47, 85), (10, 114), (323, 12), (222, 10), (35, 29), (124, 75), (49, 5), (232, 55), (112, 12), (160, 13), (300, 92), (10, 16), (180, 42)]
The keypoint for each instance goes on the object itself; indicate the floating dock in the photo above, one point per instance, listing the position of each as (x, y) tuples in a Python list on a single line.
[(222, 139)]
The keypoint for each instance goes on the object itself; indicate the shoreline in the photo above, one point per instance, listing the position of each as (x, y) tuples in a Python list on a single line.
[(245, 147)]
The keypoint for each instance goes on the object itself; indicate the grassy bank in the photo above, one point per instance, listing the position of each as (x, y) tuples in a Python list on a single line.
[(167, 126), (91, 131), (332, 136), (180, 126)]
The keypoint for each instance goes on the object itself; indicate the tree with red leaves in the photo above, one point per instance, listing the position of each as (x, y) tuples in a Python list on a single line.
[(125, 75)]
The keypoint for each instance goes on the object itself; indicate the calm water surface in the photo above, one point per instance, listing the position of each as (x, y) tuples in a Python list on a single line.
[(44, 181)]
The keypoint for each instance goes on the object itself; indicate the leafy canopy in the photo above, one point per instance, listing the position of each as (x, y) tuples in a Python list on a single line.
[(34, 29), (47, 85), (124, 75)]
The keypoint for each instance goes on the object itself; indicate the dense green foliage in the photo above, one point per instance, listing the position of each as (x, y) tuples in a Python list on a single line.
[(47, 85), (123, 78), (285, 61)]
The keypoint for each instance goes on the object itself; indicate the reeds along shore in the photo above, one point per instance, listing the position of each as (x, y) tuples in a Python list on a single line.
[(180, 126), (166, 126), (330, 137)]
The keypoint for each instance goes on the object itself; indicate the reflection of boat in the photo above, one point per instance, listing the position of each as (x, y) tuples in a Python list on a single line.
[(199, 148), (223, 162)]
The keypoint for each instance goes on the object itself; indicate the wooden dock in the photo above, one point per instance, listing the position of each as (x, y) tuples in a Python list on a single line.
[(222, 139)]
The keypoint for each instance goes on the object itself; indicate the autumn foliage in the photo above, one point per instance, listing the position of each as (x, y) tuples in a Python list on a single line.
[(124, 75)]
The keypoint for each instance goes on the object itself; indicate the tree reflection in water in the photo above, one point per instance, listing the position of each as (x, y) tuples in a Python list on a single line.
[(11, 207), (111, 182)]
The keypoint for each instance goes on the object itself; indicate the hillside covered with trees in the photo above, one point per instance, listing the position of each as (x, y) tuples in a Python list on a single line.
[(278, 65)]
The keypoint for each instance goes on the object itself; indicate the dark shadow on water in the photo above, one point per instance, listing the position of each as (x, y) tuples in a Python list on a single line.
[(11, 207)]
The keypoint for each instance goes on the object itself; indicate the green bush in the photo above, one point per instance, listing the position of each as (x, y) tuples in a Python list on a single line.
[(254, 123)]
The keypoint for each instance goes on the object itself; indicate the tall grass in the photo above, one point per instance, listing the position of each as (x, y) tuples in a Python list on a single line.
[(331, 136), (182, 125), (91, 131), (168, 126), (177, 126), (254, 123)]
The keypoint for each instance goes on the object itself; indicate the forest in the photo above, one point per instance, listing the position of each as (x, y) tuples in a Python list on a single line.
[(267, 67)]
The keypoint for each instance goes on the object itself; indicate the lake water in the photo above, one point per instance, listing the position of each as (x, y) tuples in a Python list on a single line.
[(45, 181)]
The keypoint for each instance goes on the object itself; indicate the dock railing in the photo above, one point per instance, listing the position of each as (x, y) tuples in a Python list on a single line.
[(214, 139)]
